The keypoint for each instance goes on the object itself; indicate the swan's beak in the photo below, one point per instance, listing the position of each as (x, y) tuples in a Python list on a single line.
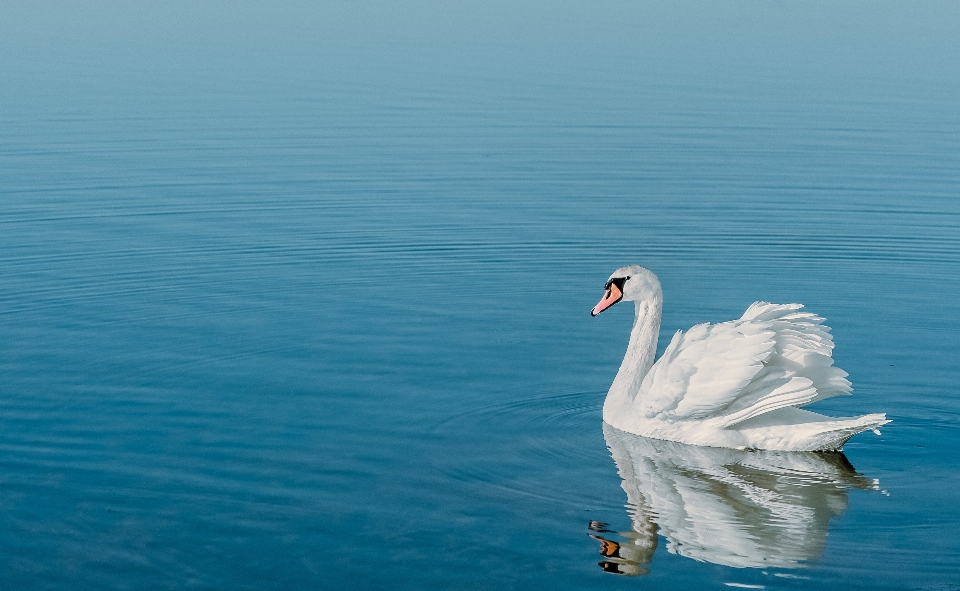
[(611, 297)]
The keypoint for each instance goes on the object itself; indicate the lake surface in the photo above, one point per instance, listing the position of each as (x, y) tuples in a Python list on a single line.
[(297, 296)]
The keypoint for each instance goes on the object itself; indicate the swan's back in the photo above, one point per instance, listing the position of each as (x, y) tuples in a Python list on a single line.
[(774, 356)]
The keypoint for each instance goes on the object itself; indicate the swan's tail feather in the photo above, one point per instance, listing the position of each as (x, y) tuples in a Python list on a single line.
[(799, 430), (833, 440)]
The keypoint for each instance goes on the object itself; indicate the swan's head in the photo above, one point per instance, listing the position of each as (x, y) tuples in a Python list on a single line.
[(631, 283)]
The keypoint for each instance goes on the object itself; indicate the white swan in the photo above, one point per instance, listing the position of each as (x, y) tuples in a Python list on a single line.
[(737, 384)]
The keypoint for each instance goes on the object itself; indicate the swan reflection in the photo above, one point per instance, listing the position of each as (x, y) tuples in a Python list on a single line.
[(724, 506)]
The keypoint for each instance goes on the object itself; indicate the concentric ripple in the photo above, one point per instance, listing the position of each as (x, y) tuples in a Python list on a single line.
[(550, 441)]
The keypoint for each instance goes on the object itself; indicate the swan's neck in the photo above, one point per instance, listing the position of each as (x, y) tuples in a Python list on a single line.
[(640, 352)]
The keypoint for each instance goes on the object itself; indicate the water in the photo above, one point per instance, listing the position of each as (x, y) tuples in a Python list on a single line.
[(298, 295)]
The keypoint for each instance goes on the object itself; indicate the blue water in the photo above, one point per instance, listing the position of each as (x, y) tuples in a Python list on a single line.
[(296, 296)]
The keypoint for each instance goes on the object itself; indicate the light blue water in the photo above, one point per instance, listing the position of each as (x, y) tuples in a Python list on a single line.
[(297, 296)]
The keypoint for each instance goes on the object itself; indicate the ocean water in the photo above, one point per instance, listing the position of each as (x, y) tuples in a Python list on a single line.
[(297, 296)]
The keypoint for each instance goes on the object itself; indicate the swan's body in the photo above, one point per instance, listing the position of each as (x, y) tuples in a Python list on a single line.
[(738, 384)]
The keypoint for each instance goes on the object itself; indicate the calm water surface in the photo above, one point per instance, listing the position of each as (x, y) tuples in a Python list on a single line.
[(298, 296)]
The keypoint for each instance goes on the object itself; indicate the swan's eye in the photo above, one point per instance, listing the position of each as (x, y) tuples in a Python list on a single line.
[(619, 281)]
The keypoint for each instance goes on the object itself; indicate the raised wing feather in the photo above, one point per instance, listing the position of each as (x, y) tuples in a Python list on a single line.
[(804, 346), (774, 356)]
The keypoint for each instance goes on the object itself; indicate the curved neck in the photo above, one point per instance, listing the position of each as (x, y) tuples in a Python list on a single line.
[(640, 352)]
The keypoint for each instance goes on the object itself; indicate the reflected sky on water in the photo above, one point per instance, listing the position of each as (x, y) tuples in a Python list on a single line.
[(298, 295)]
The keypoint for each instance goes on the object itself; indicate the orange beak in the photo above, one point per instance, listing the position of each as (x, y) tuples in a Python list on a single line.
[(611, 297)]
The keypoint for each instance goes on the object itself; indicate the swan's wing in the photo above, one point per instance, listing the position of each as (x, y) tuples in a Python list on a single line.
[(703, 370), (804, 346), (774, 356)]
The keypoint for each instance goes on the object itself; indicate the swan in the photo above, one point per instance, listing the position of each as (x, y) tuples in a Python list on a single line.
[(737, 384)]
